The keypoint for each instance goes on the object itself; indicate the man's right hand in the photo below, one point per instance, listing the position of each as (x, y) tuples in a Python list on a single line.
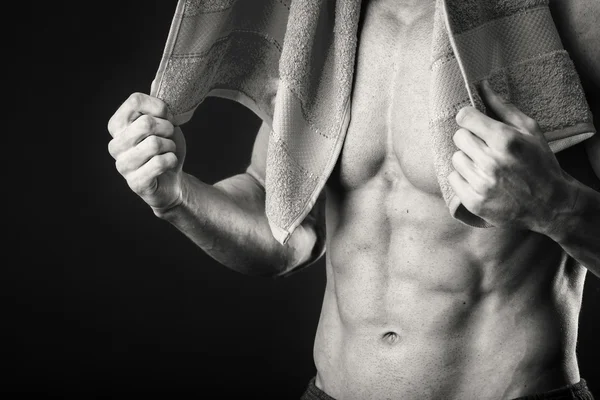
[(149, 151)]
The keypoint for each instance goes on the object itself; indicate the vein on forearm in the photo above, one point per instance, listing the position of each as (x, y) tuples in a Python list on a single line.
[(577, 229), (231, 230)]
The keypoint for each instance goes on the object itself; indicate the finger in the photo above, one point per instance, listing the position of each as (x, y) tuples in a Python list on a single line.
[(508, 112), (473, 147), (137, 156), (136, 105), (140, 129), (143, 180), (469, 171), (467, 195), (479, 124)]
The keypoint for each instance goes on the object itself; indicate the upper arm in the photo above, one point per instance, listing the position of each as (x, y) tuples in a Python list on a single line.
[(577, 24), (314, 222)]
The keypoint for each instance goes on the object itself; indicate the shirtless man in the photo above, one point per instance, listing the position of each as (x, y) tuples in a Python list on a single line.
[(417, 305)]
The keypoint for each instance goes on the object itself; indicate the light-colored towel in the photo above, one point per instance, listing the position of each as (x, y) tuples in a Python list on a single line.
[(292, 63), (515, 45)]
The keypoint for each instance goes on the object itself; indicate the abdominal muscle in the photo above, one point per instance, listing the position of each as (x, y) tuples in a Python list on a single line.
[(418, 305)]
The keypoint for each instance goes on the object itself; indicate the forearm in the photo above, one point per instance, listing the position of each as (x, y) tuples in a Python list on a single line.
[(576, 228), (227, 221)]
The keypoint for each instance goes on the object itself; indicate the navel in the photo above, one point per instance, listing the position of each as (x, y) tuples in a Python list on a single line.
[(390, 337)]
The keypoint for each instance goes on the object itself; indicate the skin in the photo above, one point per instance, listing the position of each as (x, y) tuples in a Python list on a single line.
[(417, 305)]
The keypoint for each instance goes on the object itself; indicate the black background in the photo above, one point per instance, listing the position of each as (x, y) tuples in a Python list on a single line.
[(106, 301)]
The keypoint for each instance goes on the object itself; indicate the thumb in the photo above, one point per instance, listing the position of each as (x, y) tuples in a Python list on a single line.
[(507, 112)]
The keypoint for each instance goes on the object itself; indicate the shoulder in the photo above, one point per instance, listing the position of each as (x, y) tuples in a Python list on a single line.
[(576, 22)]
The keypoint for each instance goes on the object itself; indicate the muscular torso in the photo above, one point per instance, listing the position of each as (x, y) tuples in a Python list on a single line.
[(418, 305)]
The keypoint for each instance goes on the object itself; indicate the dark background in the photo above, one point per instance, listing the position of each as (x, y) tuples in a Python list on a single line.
[(106, 301)]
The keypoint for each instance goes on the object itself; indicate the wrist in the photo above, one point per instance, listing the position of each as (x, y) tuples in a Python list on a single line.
[(166, 211), (562, 207)]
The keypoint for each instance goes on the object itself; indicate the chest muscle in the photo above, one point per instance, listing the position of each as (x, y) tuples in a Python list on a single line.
[(388, 135)]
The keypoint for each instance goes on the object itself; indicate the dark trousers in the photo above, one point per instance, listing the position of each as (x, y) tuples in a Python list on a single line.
[(578, 391)]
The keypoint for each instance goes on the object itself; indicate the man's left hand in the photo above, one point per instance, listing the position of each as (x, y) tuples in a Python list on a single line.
[(505, 171)]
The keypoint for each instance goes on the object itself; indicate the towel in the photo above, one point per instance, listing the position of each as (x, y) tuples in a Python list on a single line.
[(292, 64), (513, 44)]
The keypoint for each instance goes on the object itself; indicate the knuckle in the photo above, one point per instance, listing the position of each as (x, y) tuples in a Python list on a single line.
[(490, 168), (153, 144), (161, 162), (135, 185), (146, 123), (169, 145), (162, 108), (135, 100), (530, 124), (115, 125), (506, 138), (168, 161), (484, 189), (502, 142), (120, 165), (487, 187), (138, 184), (492, 182), (173, 160), (507, 131), (169, 129)]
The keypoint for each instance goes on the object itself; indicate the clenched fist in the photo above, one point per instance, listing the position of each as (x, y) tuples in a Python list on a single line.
[(149, 151), (504, 170)]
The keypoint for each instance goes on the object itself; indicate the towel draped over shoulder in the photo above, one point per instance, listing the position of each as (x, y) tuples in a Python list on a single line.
[(292, 63)]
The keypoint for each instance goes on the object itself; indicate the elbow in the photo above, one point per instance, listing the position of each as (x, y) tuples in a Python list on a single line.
[(262, 272), (262, 269), (281, 268), (275, 261)]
